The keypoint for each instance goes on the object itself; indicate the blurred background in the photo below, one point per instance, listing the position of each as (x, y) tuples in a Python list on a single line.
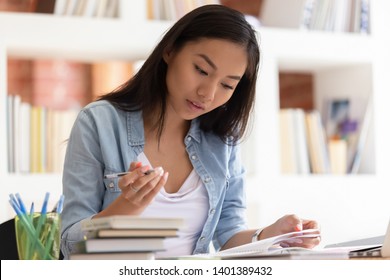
[(318, 145)]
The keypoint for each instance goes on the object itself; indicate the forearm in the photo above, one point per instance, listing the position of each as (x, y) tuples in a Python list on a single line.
[(120, 206), (247, 236), (239, 238)]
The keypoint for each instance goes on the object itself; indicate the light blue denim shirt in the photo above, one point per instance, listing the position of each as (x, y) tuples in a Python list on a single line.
[(105, 139)]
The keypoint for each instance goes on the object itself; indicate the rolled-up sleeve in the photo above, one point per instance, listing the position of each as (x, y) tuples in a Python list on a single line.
[(82, 174), (233, 213)]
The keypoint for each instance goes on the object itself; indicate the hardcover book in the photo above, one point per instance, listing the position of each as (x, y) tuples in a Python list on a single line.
[(120, 233), (111, 245), (131, 222), (114, 256)]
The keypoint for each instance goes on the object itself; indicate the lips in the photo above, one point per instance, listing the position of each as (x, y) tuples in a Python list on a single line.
[(195, 105)]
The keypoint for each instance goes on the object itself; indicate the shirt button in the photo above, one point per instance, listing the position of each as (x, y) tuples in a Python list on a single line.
[(202, 238), (193, 157), (188, 138), (207, 179), (212, 211), (111, 185)]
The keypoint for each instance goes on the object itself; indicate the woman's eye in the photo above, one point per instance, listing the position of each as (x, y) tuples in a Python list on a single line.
[(200, 70), (226, 86)]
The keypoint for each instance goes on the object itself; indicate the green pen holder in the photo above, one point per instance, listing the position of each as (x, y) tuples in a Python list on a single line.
[(38, 237)]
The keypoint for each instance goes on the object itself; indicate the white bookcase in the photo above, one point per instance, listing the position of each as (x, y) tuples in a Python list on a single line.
[(351, 206)]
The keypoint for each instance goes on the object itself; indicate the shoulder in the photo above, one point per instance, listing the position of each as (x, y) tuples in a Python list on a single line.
[(99, 106), (105, 110)]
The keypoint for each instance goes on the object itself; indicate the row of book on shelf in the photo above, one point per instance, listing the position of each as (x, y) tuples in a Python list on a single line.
[(36, 136), (310, 144), (174, 9), (81, 8), (44, 98), (125, 237), (87, 8), (326, 15)]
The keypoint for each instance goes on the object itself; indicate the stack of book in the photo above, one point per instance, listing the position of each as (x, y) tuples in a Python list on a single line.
[(125, 237)]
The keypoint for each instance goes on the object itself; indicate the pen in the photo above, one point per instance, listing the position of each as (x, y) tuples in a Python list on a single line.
[(120, 174), (60, 204)]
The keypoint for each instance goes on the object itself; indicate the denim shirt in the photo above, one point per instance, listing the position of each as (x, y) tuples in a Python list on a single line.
[(105, 139)]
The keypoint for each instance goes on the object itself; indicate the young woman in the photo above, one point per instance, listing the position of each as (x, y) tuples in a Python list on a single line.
[(183, 114)]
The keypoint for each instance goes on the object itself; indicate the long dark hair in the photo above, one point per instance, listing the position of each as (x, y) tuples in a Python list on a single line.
[(147, 90)]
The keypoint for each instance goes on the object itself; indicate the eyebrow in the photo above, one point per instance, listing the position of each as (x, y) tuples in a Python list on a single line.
[(211, 63)]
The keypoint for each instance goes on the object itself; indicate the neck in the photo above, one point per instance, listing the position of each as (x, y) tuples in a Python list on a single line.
[(173, 127)]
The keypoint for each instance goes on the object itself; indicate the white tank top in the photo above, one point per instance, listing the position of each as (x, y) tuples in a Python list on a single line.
[(190, 203)]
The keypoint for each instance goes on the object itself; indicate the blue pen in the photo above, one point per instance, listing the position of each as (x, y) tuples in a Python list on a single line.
[(32, 211), (60, 204), (42, 218), (14, 202), (21, 204), (44, 205), (32, 208)]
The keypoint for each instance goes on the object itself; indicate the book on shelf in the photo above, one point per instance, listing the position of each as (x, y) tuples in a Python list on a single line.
[(131, 222), (317, 143), (173, 9), (293, 143), (113, 256), (338, 156), (277, 13), (347, 130), (333, 146), (335, 16), (36, 136), (96, 245), (107, 233), (358, 146), (86, 8)]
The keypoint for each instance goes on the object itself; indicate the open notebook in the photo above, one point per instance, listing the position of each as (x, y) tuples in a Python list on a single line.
[(265, 248)]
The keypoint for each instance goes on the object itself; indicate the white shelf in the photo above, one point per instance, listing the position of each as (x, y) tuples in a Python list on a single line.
[(300, 50), (77, 38)]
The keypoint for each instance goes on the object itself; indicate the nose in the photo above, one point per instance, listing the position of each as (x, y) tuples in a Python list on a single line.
[(207, 91)]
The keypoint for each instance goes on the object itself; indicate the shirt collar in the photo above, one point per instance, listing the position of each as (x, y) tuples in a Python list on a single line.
[(135, 129)]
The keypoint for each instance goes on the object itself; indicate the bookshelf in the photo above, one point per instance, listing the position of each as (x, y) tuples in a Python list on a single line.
[(340, 63)]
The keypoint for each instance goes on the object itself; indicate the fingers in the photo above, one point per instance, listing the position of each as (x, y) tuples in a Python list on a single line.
[(139, 189), (310, 224), (151, 192), (290, 223), (148, 182), (136, 171)]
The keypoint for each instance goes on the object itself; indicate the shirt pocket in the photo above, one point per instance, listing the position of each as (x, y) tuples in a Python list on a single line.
[(111, 185)]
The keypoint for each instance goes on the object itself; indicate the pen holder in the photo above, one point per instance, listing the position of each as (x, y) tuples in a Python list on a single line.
[(38, 236)]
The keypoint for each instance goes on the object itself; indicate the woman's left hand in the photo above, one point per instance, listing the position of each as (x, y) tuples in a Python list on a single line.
[(290, 223)]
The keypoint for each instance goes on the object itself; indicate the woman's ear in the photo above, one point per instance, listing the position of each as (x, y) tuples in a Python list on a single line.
[(167, 55)]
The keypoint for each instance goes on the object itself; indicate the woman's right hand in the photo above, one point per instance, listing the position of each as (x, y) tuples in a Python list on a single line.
[(138, 190)]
